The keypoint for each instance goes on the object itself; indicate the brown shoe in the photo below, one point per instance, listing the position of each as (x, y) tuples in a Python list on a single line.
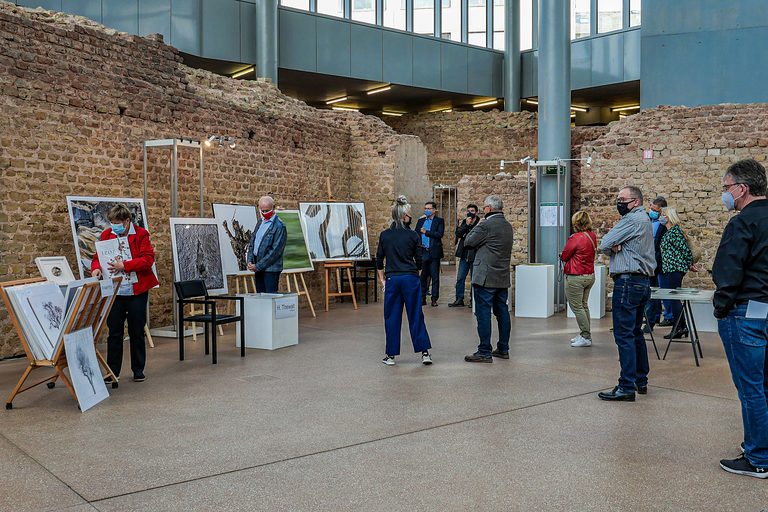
[(434, 303)]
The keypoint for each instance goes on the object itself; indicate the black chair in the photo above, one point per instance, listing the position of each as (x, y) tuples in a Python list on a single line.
[(367, 269), (195, 292)]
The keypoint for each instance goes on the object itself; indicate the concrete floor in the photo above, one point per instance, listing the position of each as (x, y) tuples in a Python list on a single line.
[(325, 426)]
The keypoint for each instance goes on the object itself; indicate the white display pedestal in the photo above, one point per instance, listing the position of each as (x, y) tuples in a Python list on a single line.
[(534, 291), (271, 320), (596, 301)]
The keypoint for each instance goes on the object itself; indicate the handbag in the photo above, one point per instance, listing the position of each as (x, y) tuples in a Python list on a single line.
[(696, 252)]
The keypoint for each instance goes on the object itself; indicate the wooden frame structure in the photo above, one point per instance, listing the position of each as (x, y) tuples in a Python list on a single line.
[(300, 290), (91, 310)]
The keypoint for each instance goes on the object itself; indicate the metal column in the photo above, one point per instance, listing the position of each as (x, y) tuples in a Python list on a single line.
[(266, 39), (512, 55)]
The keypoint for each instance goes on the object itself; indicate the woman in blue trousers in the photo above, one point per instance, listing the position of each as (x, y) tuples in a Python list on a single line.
[(400, 247)]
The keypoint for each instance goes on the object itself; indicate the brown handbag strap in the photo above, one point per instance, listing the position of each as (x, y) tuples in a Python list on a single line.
[(594, 245)]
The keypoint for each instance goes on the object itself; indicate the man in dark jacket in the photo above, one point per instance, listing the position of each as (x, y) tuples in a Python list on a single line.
[(431, 229), (740, 273), (658, 221), (466, 255), (265, 250)]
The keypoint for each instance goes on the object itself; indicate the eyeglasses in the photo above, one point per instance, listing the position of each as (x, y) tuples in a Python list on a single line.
[(625, 200), (726, 187)]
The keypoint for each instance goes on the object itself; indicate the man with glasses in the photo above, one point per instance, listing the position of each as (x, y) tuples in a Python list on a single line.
[(466, 255), (265, 251), (633, 260), (431, 229), (740, 273)]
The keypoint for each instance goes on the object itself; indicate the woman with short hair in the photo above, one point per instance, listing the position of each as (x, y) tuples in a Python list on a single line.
[(579, 258), (676, 260)]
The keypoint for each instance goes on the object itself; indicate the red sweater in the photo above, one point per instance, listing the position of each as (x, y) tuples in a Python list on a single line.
[(143, 257), (579, 253)]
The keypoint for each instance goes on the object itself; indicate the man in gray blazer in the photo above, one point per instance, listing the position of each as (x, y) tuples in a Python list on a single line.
[(492, 240)]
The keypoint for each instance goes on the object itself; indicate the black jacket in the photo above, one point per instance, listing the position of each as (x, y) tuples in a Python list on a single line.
[(740, 270), (465, 253), (657, 247), (435, 235), (402, 250)]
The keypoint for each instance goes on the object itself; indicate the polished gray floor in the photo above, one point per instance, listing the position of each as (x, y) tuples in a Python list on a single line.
[(325, 426)]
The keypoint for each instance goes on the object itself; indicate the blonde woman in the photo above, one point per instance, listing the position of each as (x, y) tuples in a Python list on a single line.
[(579, 258), (676, 260)]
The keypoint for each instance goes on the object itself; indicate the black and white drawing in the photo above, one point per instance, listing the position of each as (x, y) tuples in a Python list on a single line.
[(40, 309), (197, 252), (88, 217), (55, 269), (335, 231), (84, 369), (235, 224)]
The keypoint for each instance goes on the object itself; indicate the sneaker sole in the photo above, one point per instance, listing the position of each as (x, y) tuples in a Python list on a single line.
[(388, 364), (426, 363), (745, 473)]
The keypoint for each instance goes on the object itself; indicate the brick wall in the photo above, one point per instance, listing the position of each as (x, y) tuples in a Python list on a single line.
[(77, 101)]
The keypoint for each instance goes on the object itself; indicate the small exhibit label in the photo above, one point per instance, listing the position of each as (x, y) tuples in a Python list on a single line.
[(285, 308)]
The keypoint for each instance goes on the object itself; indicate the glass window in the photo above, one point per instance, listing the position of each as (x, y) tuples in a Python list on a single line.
[(296, 4), (498, 24), (424, 17), (364, 10), (331, 7), (394, 14), (477, 22), (451, 20), (635, 9), (609, 15), (579, 18), (526, 24)]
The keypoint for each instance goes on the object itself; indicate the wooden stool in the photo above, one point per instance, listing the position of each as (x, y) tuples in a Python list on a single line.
[(337, 266)]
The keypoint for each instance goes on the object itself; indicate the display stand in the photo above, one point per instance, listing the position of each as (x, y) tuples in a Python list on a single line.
[(92, 310), (300, 290)]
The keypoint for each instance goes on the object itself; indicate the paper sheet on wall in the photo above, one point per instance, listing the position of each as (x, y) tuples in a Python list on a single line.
[(548, 215)]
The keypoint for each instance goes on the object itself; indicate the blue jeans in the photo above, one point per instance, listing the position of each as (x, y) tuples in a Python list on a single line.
[(653, 309), (672, 308), (267, 282), (464, 269), (744, 340), (630, 295), (487, 300), (405, 291), (430, 269)]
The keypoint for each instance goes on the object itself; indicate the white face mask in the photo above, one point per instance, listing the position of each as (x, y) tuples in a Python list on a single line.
[(663, 220)]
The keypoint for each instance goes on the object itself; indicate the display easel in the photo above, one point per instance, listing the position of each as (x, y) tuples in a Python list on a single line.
[(91, 307), (300, 290), (337, 266)]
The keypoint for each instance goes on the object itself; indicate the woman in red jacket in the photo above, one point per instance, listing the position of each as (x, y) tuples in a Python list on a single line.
[(579, 258), (131, 301)]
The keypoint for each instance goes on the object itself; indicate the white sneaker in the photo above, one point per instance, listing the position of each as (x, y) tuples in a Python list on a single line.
[(426, 358), (576, 338), (582, 342), (389, 361)]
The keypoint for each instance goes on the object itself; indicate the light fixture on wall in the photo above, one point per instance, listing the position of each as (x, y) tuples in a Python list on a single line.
[(379, 89), (220, 140), (243, 72), (485, 103), (390, 113), (626, 108), (345, 109), (335, 100), (579, 109), (531, 102)]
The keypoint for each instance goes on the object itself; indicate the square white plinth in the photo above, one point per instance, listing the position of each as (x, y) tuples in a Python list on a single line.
[(534, 291), (596, 301), (271, 320)]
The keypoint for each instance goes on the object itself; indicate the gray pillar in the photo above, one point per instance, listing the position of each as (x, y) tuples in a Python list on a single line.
[(438, 18), (554, 84), (266, 39), (512, 55)]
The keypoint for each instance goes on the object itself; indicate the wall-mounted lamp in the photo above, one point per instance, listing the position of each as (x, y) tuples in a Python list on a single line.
[(220, 140), (393, 114), (379, 89), (243, 72), (624, 109), (335, 100), (345, 109), (485, 103)]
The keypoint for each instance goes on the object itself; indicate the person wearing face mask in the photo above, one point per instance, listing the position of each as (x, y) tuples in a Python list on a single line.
[(659, 223), (400, 247), (740, 273), (131, 301), (265, 250), (466, 255), (431, 229), (632, 261)]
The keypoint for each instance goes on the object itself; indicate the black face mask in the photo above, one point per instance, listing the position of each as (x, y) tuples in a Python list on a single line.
[(471, 215), (623, 208)]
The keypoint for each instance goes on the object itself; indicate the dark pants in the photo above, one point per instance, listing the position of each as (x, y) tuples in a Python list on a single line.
[(672, 280), (430, 269), (405, 291), (630, 295), (267, 282), (489, 300), (653, 309), (134, 309), (465, 268)]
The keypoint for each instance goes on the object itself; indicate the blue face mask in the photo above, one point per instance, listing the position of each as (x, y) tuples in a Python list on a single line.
[(428, 213), (118, 229), (653, 214)]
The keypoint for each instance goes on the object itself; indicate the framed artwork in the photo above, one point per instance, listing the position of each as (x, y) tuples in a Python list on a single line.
[(197, 252), (296, 257), (335, 231), (55, 269), (84, 371), (88, 218), (41, 311), (235, 223)]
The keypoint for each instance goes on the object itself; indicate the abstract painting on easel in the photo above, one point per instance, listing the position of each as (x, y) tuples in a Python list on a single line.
[(336, 231), (235, 223), (197, 252)]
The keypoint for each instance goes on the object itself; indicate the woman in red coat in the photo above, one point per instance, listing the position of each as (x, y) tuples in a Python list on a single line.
[(579, 258), (131, 301)]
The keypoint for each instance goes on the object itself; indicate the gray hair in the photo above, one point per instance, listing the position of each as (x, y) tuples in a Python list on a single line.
[(268, 199), (494, 202), (400, 208), (635, 192)]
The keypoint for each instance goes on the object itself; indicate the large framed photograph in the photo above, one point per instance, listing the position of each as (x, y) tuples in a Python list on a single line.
[(336, 231), (55, 269), (197, 252), (88, 218), (235, 223), (296, 257)]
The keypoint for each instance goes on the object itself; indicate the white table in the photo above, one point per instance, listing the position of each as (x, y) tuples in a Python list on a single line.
[(687, 298), (271, 320), (534, 291)]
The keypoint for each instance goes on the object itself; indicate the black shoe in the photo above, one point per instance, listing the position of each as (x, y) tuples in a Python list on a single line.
[(617, 395), (434, 303), (139, 377), (680, 333), (666, 323), (741, 466), (647, 329), (742, 447), (458, 303), (642, 390), (423, 301), (500, 355), (474, 358), (108, 379)]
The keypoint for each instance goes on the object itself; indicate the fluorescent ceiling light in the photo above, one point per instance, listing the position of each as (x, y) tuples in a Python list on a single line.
[(579, 109), (331, 102), (532, 102), (485, 103), (380, 89), (346, 109), (447, 110), (624, 109), (243, 72), (394, 114)]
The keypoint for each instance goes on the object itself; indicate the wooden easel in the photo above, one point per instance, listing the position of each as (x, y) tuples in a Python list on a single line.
[(300, 290), (337, 266), (91, 311)]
